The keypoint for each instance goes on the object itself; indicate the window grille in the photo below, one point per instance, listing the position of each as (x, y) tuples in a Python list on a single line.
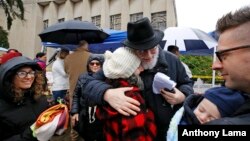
[(158, 20), (115, 22)]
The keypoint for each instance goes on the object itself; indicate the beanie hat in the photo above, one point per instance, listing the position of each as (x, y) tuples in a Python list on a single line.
[(226, 100), (9, 56), (122, 63)]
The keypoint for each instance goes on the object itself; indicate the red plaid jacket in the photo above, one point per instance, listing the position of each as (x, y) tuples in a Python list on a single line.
[(128, 128)]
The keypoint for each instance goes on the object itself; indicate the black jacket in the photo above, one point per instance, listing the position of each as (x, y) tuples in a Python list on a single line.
[(168, 64), (16, 118), (88, 126), (79, 102)]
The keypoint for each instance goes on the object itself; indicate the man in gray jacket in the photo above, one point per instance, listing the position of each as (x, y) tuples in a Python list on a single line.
[(145, 43)]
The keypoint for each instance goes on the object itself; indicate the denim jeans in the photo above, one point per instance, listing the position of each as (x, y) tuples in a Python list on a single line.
[(60, 93)]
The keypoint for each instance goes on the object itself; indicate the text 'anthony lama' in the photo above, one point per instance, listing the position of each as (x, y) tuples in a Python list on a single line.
[(215, 134)]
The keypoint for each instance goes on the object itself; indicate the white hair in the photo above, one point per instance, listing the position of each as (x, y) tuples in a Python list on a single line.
[(150, 65)]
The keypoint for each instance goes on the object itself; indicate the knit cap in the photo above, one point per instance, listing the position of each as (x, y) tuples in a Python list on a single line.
[(122, 63), (9, 56), (226, 100)]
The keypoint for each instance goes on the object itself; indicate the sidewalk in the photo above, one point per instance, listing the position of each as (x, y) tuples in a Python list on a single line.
[(63, 137)]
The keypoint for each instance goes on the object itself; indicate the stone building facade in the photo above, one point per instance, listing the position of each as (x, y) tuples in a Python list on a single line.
[(113, 14)]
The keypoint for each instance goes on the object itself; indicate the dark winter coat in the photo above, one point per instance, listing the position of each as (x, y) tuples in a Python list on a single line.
[(88, 127), (78, 102), (16, 118), (189, 105), (168, 64)]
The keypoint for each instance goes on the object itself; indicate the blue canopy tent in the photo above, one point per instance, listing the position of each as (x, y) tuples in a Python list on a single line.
[(111, 43)]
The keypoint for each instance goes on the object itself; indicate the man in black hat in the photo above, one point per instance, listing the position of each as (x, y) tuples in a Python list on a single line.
[(145, 42)]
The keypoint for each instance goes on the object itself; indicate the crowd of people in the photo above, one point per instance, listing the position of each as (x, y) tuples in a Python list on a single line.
[(111, 95)]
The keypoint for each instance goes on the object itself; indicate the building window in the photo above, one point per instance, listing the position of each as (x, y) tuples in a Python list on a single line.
[(45, 24), (78, 18), (115, 22), (61, 20), (136, 17), (159, 20), (96, 20)]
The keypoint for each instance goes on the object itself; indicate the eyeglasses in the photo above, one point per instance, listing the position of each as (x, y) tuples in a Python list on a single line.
[(94, 63), (141, 52), (23, 74), (220, 53)]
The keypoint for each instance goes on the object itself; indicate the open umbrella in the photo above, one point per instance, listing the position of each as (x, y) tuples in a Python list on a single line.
[(189, 40), (111, 43), (72, 32), (3, 49)]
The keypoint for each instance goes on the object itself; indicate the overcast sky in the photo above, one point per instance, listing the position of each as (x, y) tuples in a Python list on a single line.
[(203, 14)]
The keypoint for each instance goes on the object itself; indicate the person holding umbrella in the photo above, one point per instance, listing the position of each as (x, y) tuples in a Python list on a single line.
[(144, 41), (74, 65), (60, 84)]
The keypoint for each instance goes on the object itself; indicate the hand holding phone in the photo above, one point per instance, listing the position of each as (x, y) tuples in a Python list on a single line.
[(162, 81), (172, 90), (169, 86)]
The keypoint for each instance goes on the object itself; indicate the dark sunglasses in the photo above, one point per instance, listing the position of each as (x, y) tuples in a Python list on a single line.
[(94, 63), (220, 53)]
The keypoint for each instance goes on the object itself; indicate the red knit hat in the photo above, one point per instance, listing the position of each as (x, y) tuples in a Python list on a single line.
[(9, 56)]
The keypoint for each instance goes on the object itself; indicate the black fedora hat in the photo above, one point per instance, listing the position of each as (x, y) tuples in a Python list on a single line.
[(141, 35)]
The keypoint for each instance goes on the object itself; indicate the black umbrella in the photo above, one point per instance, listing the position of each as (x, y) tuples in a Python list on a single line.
[(72, 32)]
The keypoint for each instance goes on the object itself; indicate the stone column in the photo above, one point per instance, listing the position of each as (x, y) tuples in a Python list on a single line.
[(125, 14), (68, 7), (53, 13), (146, 9)]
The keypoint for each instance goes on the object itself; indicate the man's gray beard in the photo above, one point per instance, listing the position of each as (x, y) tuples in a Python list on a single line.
[(151, 64)]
